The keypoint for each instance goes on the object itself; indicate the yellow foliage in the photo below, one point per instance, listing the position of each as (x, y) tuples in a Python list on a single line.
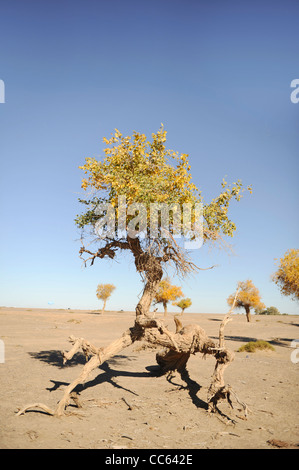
[(104, 291), (144, 171), (248, 297), (167, 292), (183, 304), (287, 274)]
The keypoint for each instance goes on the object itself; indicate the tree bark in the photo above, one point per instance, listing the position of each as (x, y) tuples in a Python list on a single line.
[(144, 304), (165, 308), (248, 314), (104, 306)]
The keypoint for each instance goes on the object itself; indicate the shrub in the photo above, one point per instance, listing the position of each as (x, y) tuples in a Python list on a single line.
[(270, 311), (252, 346)]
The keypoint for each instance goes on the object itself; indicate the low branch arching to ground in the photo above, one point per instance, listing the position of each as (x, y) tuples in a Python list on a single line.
[(178, 347)]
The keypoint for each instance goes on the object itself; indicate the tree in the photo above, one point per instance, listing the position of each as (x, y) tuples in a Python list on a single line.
[(183, 304), (270, 311), (135, 174), (287, 274), (248, 297), (167, 292), (104, 291)]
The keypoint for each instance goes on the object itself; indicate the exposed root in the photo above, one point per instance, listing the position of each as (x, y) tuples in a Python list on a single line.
[(244, 406), (40, 406), (224, 357)]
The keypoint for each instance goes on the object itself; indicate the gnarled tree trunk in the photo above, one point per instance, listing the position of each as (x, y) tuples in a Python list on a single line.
[(248, 314), (144, 304)]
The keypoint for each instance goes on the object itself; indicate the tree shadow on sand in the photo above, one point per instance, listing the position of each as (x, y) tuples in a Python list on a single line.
[(54, 358), (110, 375), (283, 342), (191, 386)]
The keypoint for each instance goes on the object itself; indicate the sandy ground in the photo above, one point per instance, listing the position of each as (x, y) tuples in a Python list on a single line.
[(165, 414)]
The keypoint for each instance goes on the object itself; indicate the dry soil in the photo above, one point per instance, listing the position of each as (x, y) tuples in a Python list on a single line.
[(126, 405)]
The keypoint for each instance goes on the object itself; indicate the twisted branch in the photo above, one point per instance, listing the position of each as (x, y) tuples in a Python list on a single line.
[(178, 346)]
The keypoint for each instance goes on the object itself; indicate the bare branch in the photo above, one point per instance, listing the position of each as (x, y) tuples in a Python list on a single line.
[(226, 320), (109, 250)]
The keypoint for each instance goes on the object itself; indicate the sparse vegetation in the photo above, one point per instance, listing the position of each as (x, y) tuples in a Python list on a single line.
[(248, 297), (104, 291), (258, 345), (167, 292), (183, 304), (270, 311), (287, 274)]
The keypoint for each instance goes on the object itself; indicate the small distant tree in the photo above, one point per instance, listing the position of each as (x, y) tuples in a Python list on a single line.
[(259, 311), (166, 293), (287, 274), (248, 297), (270, 311), (104, 291), (183, 304)]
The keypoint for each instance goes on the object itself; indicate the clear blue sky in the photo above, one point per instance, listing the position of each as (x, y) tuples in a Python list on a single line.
[(217, 74)]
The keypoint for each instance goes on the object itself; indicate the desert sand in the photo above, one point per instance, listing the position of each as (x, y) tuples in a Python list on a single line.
[(125, 405)]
